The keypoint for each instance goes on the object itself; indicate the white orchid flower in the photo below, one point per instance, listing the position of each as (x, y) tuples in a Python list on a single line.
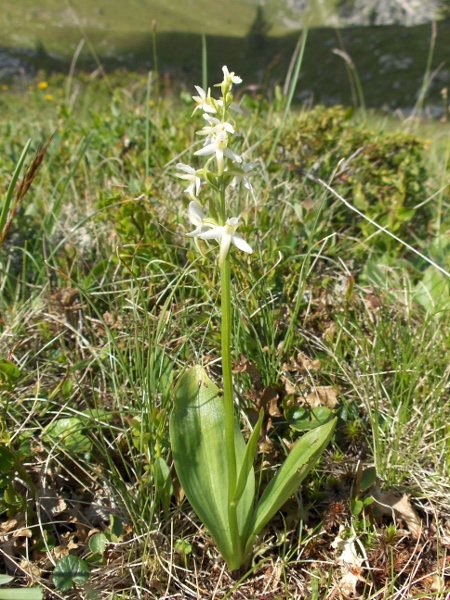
[(196, 217), (190, 174), (219, 147), (204, 100), (215, 127), (230, 78), (241, 175), (227, 235)]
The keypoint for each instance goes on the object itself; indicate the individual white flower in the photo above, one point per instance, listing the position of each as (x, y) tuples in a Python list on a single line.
[(215, 127), (241, 175), (196, 217), (229, 78), (227, 235), (204, 100), (219, 147), (190, 174)]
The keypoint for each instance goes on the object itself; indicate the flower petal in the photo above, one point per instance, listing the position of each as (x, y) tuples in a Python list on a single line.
[(201, 92), (213, 234), (219, 158), (232, 155), (195, 214), (196, 232), (209, 149), (240, 243), (211, 120), (224, 247), (186, 168)]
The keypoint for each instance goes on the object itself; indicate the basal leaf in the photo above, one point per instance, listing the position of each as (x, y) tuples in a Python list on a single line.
[(297, 465), (198, 444), (249, 458)]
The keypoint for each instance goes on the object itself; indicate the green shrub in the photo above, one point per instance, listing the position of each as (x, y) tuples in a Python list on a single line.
[(381, 174)]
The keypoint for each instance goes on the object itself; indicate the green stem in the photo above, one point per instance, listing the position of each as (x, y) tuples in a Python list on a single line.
[(147, 124), (225, 280)]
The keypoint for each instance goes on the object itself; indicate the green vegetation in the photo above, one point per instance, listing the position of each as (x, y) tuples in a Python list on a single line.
[(104, 303)]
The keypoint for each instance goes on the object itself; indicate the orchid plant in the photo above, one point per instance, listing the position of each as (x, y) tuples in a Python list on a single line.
[(213, 461)]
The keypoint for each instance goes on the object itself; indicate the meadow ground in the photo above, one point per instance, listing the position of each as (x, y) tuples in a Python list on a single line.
[(104, 302)]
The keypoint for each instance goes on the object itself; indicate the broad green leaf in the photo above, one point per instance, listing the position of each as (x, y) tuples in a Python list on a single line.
[(8, 371), (4, 579), (249, 459), (356, 506), (368, 478), (297, 465), (69, 433), (433, 291), (34, 593), (405, 214), (116, 528), (98, 543), (198, 444), (67, 388), (70, 570), (303, 419)]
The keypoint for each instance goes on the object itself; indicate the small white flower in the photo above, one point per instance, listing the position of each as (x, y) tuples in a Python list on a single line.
[(204, 100), (241, 175), (227, 235), (190, 174), (196, 217), (219, 147), (230, 78), (215, 127)]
